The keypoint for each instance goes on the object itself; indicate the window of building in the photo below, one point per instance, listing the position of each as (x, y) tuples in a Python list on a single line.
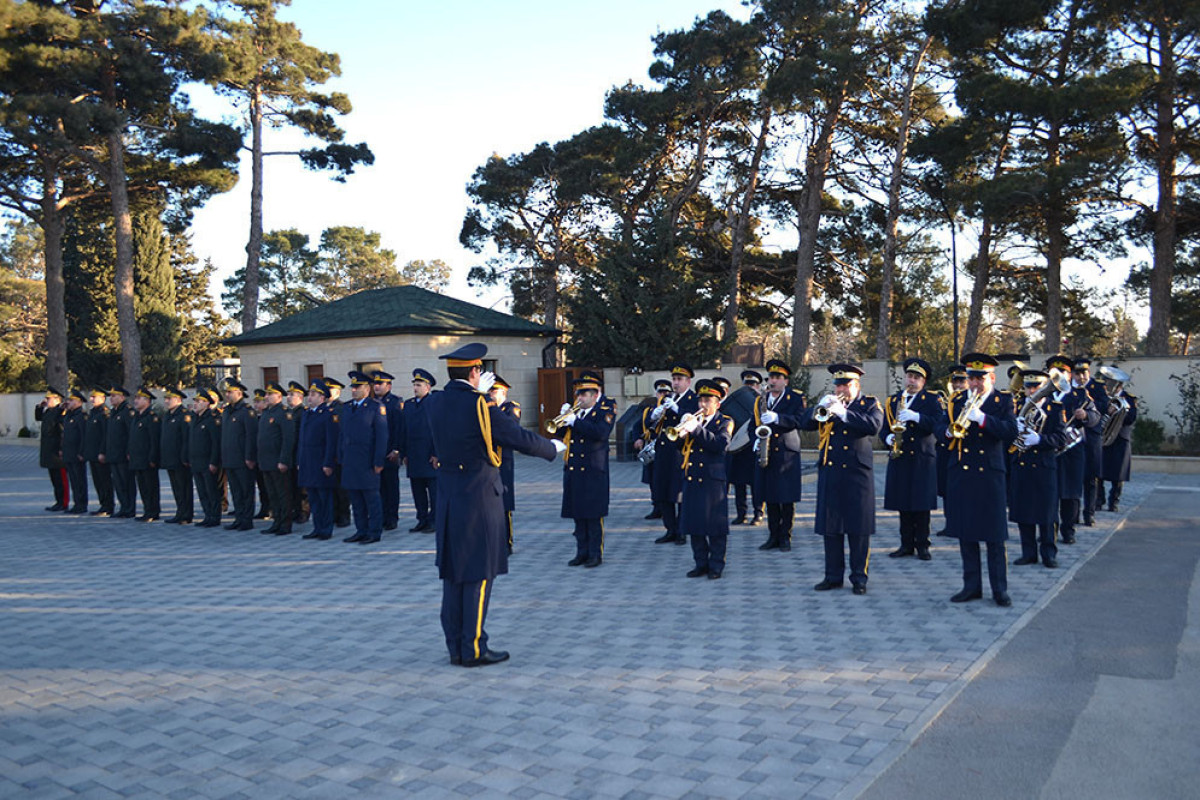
[(490, 364), (269, 375), (314, 372), (369, 366)]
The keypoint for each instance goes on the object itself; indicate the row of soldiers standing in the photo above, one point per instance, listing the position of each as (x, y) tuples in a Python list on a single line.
[(304, 448)]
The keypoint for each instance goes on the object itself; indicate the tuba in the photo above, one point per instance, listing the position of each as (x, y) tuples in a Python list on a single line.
[(1032, 417), (1110, 426)]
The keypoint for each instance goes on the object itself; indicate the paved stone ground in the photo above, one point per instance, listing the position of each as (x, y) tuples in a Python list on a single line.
[(154, 661)]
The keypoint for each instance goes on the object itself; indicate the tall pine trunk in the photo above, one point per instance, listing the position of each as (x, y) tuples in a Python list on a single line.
[(981, 274), (254, 246), (57, 374), (1056, 244), (892, 225), (1158, 337), (741, 227)]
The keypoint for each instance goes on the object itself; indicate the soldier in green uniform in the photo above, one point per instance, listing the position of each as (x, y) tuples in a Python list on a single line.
[(173, 449), (144, 442)]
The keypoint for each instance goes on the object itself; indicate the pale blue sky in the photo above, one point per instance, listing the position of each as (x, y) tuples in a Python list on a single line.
[(438, 87)]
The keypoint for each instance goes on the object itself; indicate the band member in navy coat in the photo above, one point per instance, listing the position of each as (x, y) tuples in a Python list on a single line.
[(781, 409), (739, 406), (1033, 473), (144, 454), (1118, 458), (668, 461), (585, 433), (911, 483), (1072, 461), (116, 452), (176, 424), (418, 452), (976, 493), (239, 454), (846, 476), (471, 550), (74, 428), (649, 433), (93, 451), (389, 479), (204, 455), (705, 513), (316, 459), (362, 451), (1094, 441), (958, 383), (498, 396)]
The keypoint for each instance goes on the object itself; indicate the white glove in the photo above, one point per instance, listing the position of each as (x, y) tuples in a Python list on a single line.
[(975, 415), (691, 425), (827, 400), (486, 379), (908, 415), (569, 419), (657, 413), (671, 404), (769, 417), (1032, 438), (559, 447), (838, 409), (891, 439), (566, 408)]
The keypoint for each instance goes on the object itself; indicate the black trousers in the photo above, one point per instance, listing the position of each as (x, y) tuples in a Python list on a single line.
[(300, 507), (589, 539), (279, 498), (208, 488), (997, 561), (1093, 495), (464, 609), (102, 481), (58, 482), (241, 490), (77, 478), (181, 490), (1114, 493), (835, 557), (341, 501), (1068, 515), (264, 498), (779, 522), (739, 501), (124, 487), (914, 530), (1038, 540), (424, 492), (148, 488), (389, 493)]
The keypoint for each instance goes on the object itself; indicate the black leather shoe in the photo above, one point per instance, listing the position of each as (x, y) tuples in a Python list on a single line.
[(356, 538), (1114, 508), (1024, 561), (209, 523), (713, 576), (785, 546), (769, 544), (826, 585), (233, 526), (577, 561), (370, 540), (147, 518), (456, 660), (681, 539), (698, 572), (55, 507), (1089, 522), (903, 552), (741, 520), (428, 527), (591, 563), (756, 520), (313, 535), (965, 595), (859, 588), (1051, 563), (665, 538), (653, 515), (923, 554), (76, 511), (1068, 539), (245, 526), (264, 514), (342, 523), (283, 532), (1003, 600), (171, 521), (485, 658), (942, 532), (389, 526), (269, 531), (100, 513)]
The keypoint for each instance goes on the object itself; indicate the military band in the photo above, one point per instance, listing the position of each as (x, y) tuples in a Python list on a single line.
[(911, 486), (1081, 413), (646, 438), (1093, 441), (778, 418), (1118, 437), (741, 464), (705, 508), (668, 460), (1033, 483), (585, 428)]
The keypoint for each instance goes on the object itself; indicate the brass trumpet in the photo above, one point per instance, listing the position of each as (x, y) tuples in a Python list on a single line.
[(552, 425), (958, 428), (675, 432)]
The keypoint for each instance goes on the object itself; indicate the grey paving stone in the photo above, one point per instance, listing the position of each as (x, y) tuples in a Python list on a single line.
[(150, 662)]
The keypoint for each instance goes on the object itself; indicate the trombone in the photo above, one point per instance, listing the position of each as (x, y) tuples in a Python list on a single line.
[(552, 425)]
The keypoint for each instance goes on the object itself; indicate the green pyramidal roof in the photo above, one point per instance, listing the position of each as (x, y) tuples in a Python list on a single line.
[(399, 309)]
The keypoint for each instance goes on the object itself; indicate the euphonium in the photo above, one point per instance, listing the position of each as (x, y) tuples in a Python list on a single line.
[(676, 431), (552, 425), (763, 433)]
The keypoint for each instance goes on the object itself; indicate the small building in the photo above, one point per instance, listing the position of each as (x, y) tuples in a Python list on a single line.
[(396, 330)]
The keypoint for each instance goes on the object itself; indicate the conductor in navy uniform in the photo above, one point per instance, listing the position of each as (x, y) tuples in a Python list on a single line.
[(976, 493), (846, 476), (471, 552), (911, 484), (585, 433), (362, 451)]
